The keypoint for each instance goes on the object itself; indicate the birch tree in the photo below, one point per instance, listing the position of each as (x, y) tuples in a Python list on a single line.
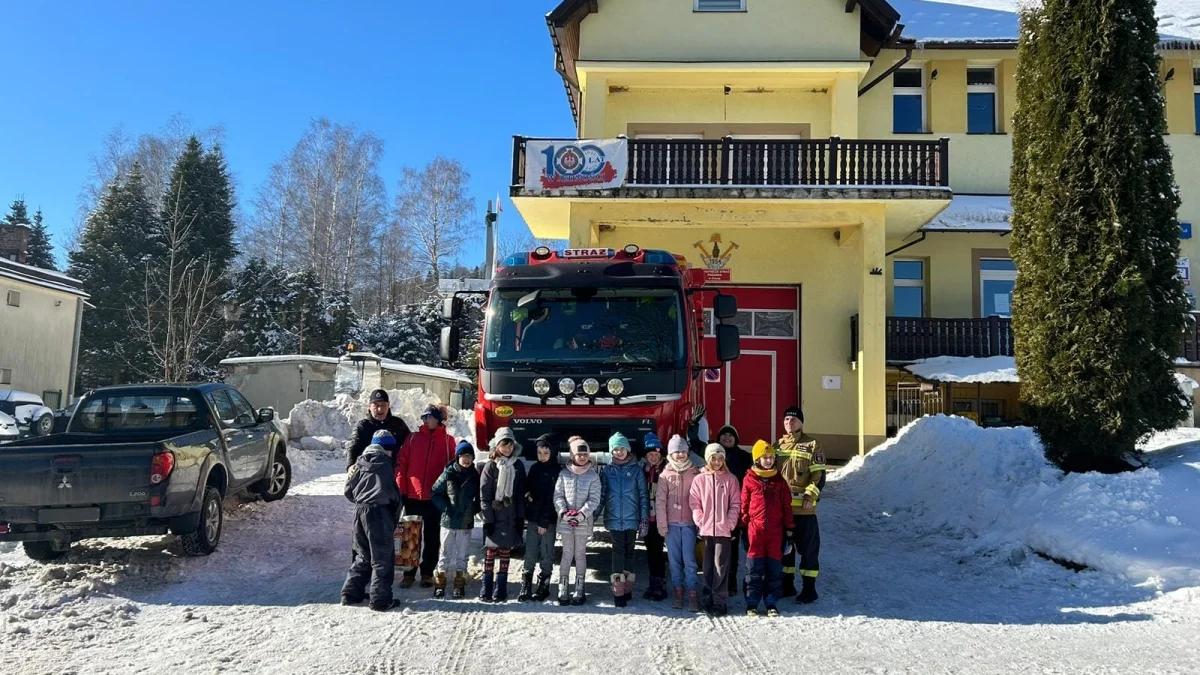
[(433, 212)]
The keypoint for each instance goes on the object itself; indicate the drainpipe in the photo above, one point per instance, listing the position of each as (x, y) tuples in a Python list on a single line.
[(911, 243), (895, 66)]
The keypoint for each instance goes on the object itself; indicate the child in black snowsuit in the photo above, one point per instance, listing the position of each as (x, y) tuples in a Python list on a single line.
[(371, 485)]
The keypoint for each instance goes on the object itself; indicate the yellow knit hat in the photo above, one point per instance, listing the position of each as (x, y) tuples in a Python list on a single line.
[(762, 448)]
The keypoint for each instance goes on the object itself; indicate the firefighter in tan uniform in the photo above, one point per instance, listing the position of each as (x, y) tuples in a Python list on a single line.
[(802, 464)]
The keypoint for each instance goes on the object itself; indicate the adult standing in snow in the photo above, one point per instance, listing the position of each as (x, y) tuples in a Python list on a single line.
[(802, 464), (738, 461), (423, 457), (626, 513), (539, 534), (502, 494), (379, 417), (716, 506), (576, 498)]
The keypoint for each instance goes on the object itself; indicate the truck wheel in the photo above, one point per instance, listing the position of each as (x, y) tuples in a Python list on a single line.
[(42, 551), (204, 540), (275, 484), (44, 425)]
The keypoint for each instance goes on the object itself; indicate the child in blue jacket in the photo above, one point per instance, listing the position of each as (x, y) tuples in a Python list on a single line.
[(626, 512)]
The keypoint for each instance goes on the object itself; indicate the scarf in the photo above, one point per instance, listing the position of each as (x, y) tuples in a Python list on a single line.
[(680, 466), (790, 441), (764, 473), (579, 470), (504, 482)]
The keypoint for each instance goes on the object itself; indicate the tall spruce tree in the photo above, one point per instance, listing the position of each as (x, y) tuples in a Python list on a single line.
[(40, 252), (1098, 311), (18, 213)]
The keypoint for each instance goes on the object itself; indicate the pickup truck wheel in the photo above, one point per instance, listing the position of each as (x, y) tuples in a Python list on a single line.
[(44, 425), (42, 551), (204, 540), (275, 484)]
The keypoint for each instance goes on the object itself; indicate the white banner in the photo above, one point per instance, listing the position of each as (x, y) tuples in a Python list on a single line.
[(587, 164)]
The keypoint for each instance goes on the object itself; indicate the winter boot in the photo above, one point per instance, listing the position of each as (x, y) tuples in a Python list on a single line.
[(789, 584), (384, 606), (678, 604), (526, 593), (628, 587), (426, 581), (772, 612), (752, 611), (501, 592), (808, 593), (460, 586), (543, 589), (485, 593), (408, 580), (657, 590), (618, 589), (580, 596), (439, 585), (693, 601), (351, 600), (564, 592)]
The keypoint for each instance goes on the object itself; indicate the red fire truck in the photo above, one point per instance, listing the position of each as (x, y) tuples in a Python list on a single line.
[(593, 341)]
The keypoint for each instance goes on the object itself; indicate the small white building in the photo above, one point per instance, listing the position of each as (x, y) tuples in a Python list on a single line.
[(283, 381)]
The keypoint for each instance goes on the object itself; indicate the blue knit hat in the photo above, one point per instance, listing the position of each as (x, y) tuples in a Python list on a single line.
[(385, 438), (651, 442), (464, 448), (618, 440)]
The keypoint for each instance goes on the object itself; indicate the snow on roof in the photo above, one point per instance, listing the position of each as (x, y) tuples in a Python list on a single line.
[(966, 369), (282, 358), (974, 213), (989, 19), (40, 277), (423, 371), (448, 286)]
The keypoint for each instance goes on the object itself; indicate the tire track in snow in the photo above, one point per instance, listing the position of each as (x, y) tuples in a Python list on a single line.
[(386, 663), (457, 656), (668, 657), (748, 658)]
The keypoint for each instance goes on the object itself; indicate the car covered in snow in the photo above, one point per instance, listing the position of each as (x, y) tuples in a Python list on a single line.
[(141, 460), (31, 413), (8, 428)]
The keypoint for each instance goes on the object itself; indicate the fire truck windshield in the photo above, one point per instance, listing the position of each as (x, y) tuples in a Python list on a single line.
[(637, 327)]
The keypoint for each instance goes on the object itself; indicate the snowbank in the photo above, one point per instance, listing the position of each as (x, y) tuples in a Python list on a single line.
[(995, 490), (966, 369), (316, 425)]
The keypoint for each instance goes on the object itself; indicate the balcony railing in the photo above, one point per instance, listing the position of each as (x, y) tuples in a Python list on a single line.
[(910, 339), (776, 163)]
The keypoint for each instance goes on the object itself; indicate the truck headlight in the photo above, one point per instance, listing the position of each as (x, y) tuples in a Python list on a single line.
[(566, 386), (591, 386), (615, 386), (541, 386)]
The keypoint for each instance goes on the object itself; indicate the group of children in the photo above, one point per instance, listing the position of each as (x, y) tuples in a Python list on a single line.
[(668, 502)]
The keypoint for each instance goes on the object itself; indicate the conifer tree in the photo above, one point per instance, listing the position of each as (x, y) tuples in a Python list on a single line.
[(18, 214), (40, 252), (1098, 310)]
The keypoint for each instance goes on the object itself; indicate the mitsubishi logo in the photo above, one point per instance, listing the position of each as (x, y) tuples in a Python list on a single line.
[(65, 484)]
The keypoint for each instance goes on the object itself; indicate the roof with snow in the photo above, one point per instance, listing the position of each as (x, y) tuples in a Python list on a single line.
[(37, 276), (943, 24), (974, 213), (966, 369), (281, 358), (423, 371)]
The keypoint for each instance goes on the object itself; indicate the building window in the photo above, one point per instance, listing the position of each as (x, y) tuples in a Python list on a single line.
[(908, 101), (5, 375), (14, 298), (720, 5), (908, 288), (996, 279), (981, 100), (1196, 95), (758, 323)]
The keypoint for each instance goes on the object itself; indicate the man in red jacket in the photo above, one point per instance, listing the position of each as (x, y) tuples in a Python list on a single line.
[(425, 453)]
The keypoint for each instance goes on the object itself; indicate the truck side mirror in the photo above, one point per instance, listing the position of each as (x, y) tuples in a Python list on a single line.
[(729, 345), (724, 307), (449, 344), (452, 308)]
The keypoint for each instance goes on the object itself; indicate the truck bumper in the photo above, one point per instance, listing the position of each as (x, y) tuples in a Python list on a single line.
[(68, 536)]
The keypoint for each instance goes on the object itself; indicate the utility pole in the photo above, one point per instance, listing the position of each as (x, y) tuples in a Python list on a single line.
[(490, 246)]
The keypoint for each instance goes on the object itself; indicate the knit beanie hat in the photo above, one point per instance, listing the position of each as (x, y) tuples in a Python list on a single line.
[(711, 450), (677, 444), (505, 434), (618, 440), (385, 438), (762, 449), (651, 442), (579, 446), (546, 440), (464, 448), (796, 412)]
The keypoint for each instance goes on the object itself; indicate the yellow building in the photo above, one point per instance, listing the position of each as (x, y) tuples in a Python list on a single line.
[(843, 170)]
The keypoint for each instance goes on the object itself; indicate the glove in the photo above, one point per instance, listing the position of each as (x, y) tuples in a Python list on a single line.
[(643, 528), (497, 505), (697, 413), (788, 534), (572, 512), (573, 521)]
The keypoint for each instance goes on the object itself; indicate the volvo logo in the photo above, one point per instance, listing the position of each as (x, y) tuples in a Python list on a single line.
[(64, 484), (526, 421)]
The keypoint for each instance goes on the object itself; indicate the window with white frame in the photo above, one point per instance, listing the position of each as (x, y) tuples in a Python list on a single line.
[(908, 288), (908, 101), (14, 299), (720, 5), (997, 276), (981, 100), (758, 323)]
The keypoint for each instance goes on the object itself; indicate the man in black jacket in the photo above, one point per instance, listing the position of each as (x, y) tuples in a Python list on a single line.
[(380, 417)]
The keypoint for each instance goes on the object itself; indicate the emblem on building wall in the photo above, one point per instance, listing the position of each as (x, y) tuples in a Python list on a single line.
[(715, 259)]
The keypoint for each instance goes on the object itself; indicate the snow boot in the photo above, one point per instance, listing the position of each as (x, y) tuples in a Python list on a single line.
[(526, 593), (618, 589), (349, 600), (678, 604), (543, 589), (658, 589), (408, 580), (808, 593), (628, 587), (426, 581), (752, 611), (384, 606), (501, 592), (789, 585), (693, 601), (564, 593), (772, 612), (460, 586), (485, 593), (439, 585), (580, 596)]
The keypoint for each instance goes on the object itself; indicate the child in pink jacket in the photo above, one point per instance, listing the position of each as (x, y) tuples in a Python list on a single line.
[(716, 506), (673, 516)]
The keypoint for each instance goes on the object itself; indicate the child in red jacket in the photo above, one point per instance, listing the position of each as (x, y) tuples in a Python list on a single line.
[(767, 517)]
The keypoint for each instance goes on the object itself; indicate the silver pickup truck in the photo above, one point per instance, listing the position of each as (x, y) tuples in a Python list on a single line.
[(141, 460)]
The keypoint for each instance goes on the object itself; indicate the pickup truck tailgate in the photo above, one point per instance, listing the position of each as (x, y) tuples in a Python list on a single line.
[(75, 475)]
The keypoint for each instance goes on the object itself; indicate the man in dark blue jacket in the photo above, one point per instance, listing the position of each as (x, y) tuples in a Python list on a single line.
[(371, 485)]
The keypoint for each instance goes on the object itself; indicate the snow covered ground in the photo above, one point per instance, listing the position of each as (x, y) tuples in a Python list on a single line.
[(927, 567)]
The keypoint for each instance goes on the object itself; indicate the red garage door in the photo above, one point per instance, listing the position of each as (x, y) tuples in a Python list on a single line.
[(752, 392)]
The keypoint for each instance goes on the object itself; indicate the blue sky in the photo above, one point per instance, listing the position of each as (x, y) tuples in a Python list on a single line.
[(456, 77)]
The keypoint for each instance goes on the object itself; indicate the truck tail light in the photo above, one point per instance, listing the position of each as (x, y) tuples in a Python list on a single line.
[(3, 528), (161, 467)]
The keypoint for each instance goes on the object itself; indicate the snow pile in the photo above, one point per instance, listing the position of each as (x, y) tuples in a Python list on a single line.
[(994, 489), (974, 213), (966, 369), (319, 425), (44, 599)]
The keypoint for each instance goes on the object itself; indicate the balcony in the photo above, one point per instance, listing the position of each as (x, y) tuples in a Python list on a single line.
[(909, 339), (703, 168)]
